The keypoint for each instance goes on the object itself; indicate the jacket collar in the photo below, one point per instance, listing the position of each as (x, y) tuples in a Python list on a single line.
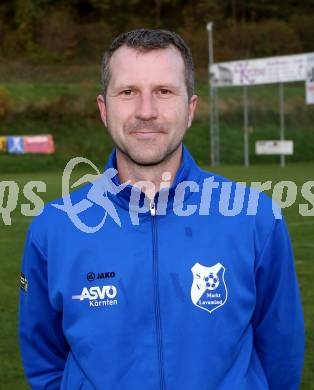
[(188, 171)]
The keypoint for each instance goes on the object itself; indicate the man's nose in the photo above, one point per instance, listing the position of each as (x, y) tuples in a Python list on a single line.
[(146, 107)]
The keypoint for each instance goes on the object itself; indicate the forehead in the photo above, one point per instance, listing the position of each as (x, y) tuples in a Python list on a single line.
[(128, 65)]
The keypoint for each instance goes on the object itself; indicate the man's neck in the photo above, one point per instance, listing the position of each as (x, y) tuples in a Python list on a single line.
[(128, 170)]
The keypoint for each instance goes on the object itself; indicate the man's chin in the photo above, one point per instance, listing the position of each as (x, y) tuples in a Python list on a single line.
[(148, 156), (148, 160)]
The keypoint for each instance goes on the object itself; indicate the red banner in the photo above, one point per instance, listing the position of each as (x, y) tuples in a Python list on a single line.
[(39, 144)]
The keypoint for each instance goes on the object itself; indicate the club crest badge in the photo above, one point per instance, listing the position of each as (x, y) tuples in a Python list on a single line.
[(209, 290)]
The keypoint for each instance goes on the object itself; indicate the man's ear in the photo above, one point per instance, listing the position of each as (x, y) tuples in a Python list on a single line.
[(102, 108), (192, 107)]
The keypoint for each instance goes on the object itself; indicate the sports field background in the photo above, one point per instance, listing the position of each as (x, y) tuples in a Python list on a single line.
[(62, 101), (12, 241)]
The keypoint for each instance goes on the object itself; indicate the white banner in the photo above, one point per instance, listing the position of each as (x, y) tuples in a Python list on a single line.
[(309, 84), (274, 147), (281, 69)]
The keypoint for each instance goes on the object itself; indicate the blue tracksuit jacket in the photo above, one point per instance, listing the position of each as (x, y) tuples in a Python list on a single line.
[(206, 301)]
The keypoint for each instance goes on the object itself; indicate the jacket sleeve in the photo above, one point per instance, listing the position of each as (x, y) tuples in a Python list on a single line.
[(43, 347), (278, 318)]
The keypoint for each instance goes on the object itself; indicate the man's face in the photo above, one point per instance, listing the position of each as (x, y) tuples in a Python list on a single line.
[(146, 110)]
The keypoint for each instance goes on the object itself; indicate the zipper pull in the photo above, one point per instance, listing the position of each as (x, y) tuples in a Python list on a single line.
[(152, 208)]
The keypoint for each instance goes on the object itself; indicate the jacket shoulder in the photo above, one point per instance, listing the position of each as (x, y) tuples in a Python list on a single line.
[(53, 218)]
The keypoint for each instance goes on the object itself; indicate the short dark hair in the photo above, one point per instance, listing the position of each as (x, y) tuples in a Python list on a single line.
[(145, 40)]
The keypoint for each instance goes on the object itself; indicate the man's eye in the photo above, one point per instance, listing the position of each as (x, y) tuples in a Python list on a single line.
[(127, 92), (164, 91)]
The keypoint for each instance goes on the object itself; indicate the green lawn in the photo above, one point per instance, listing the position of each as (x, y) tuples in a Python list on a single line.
[(67, 109), (12, 241)]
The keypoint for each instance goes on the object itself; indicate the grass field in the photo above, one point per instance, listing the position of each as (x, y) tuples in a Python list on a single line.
[(61, 100), (12, 241)]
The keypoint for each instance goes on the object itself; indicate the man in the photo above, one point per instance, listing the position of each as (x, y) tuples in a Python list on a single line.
[(177, 290)]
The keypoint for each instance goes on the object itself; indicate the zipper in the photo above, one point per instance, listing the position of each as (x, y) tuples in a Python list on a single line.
[(152, 208)]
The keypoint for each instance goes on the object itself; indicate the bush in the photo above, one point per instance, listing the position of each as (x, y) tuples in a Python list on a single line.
[(58, 33), (6, 103), (262, 39), (303, 25)]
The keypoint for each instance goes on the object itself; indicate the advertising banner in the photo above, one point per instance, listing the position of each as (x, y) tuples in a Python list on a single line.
[(280, 69), (3, 144), (15, 144), (39, 144), (309, 83), (274, 147)]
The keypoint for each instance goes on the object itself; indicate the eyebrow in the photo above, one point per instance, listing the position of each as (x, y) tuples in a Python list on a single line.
[(130, 86), (124, 86)]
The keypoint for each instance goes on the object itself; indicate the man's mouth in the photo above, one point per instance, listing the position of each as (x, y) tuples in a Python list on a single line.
[(145, 133)]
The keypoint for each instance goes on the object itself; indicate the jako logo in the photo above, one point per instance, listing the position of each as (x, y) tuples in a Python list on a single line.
[(98, 296), (100, 275)]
